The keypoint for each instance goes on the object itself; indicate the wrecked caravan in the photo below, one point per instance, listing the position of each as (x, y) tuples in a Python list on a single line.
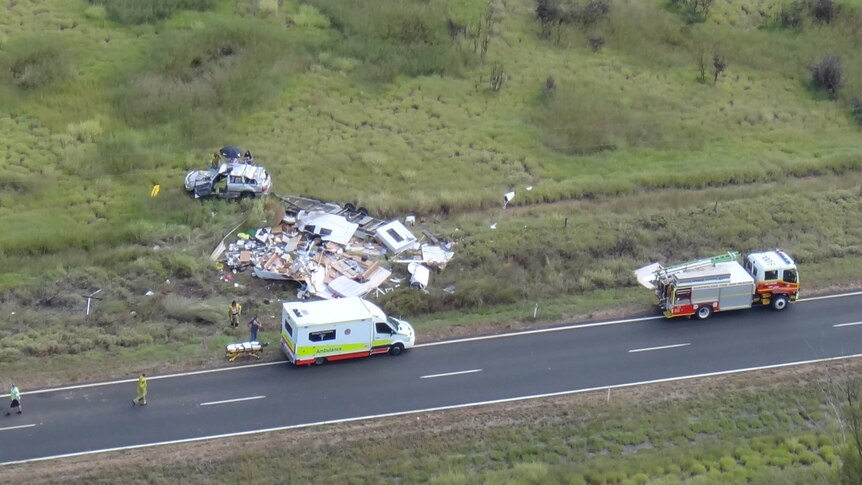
[(334, 251), (346, 328)]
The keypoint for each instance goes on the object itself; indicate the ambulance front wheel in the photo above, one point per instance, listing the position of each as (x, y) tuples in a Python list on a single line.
[(396, 349), (319, 361), (704, 312), (779, 303)]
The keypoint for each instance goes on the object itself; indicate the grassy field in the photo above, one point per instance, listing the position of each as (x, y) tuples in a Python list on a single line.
[(630, 155), (773, 427), (431, 107)]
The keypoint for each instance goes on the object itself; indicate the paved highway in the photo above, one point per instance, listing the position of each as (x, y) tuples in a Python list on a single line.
[(247, 399)]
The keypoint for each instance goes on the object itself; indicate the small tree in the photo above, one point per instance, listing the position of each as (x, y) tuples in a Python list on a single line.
[(549, 14), (828, 75), (719, 64), (702, 69), (792, 16), (497, 77), (856, 110), (594, 11), (823, 11)]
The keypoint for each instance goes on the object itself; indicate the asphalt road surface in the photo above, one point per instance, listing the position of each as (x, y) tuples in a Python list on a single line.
[(95, 417)]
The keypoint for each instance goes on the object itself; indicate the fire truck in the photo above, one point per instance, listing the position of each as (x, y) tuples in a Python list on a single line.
[(720, 283)]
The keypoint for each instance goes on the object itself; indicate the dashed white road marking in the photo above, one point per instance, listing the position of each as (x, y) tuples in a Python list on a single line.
[(226, 401), (429, 410), (430, 344), (847, 324), (17, 427), (658, 348), (451, 374)]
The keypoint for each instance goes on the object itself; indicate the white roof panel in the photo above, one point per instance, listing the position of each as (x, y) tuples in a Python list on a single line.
[(327, 312)]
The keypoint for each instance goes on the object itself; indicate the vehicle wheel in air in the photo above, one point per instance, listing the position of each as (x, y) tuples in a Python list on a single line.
[(350, 207), (704, 312), (396, 349), (319, 361), (779, 303), (363, 211)]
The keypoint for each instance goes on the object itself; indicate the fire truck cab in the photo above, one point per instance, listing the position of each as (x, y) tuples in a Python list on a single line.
[(702, 287)]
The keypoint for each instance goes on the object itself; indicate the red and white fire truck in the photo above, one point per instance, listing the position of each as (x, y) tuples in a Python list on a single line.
[(720, 283)]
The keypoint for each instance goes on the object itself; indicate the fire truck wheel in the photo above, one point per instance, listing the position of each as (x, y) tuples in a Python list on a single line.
[(704, 312), (396, 349), (779, 303)]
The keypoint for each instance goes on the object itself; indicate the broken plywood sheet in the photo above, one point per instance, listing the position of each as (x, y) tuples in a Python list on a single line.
[(346, 287)]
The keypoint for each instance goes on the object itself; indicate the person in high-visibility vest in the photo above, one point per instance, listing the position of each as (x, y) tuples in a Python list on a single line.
[(142, 391), (233, 312), (16, 400)]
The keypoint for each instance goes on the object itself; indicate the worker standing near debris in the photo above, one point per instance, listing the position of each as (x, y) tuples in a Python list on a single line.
[(215, 160), (15, 395), (254, 325), (142, 391), (233, 312), (247, 158)]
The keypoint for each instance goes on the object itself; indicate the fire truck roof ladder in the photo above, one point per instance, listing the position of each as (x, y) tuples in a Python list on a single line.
[(697, 263)]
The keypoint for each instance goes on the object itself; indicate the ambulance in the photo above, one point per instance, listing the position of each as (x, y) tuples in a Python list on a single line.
[(702, 287), (313, 332)]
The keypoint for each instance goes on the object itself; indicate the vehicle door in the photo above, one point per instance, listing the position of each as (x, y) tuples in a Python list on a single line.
[(382, 337)]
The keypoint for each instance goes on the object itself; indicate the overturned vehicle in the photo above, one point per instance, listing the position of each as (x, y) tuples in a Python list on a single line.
[(229, 177)]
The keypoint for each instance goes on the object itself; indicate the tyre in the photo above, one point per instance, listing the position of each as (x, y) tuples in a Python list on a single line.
[(246, 195), (396, 349), (319, 360), (704, 312), (779, 303)]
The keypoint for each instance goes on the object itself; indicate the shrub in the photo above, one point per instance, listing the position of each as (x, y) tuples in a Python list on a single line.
[(135, 12), (856, 110), (823, 11), (31, 63), (792, 15), (828, 74)]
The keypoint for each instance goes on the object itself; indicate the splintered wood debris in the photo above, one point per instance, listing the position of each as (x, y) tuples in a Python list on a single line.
[(335, 251)]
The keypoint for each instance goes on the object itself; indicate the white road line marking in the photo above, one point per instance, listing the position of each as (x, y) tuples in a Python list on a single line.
[(451, 374), (430, 344), (231, 400), (429, 410), (18, 427), (658, 348), (847, 324), (539, 330), (828, 297), (150, 378)]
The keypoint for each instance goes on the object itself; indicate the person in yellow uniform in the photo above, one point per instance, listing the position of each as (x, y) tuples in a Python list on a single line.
[(15, 395), (233, 312), (142, 391)]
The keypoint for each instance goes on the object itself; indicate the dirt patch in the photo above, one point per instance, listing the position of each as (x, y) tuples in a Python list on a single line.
[(634, 401)]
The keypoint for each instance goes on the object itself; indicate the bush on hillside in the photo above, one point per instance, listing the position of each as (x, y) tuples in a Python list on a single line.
[(823, 11), (395, 38), (136, 12), (694, 10), (856, 110), (552, 14), (32, 63), (196, 78), (828, 75), (792, 15)]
